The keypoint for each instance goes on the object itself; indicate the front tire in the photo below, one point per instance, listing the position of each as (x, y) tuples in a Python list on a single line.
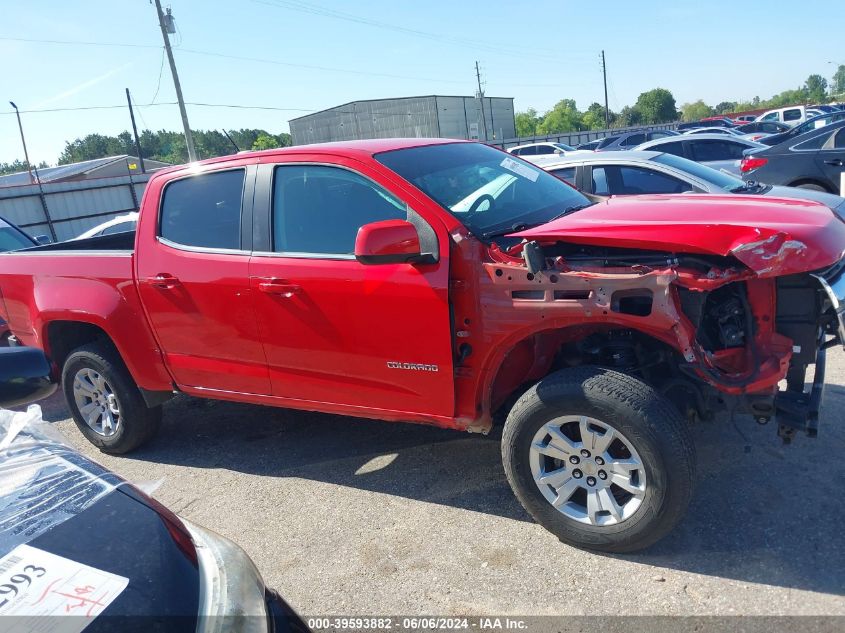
[(107, 406), (599, 459)]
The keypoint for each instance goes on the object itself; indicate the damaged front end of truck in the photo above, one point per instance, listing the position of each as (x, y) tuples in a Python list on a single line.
[(716, 314)]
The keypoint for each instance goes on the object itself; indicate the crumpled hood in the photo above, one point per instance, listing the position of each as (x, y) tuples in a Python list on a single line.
[(770, 235)]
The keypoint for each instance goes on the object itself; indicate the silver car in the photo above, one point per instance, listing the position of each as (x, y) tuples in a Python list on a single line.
[(714, 150), (647, 172)]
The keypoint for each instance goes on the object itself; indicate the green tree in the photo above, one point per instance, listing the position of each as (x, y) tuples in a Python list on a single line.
[(656, 106), (564, 117), (725, 107), (629, 116), (593, 118), (837, 86), (265, 141), (695, 111), (18, 165), (816, 88), (527, 122)]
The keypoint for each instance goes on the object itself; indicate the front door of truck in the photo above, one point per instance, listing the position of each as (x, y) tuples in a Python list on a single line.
[(337, 331), (193, 277)]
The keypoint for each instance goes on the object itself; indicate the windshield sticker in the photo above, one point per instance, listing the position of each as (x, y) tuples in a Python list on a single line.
[(42, 586), (519, 169)]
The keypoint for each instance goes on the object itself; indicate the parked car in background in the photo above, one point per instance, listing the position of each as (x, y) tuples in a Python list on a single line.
[(715, 150), (810, 124), (590, 146), (121, 224), (744, 118), (77, 540), (762, 128), (729, 131), (14, 239), (813, 160), (792, 115), (717, 121), (644, 172), (629, 140), (532, 150)]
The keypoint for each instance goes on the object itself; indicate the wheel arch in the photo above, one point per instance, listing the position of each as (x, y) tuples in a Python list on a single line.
[(810, 181)]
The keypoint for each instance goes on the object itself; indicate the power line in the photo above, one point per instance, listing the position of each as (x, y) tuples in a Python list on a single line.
[(160, 71), (163, 103), (346, 71), (305, 7)]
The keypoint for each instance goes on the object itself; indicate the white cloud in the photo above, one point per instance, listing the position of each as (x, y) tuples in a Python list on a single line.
[(83, 86)]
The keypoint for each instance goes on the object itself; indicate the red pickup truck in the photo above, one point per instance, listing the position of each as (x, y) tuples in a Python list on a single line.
[(442, 282)]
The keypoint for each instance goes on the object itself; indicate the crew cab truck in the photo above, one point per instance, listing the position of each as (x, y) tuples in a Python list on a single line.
[(441, 282)]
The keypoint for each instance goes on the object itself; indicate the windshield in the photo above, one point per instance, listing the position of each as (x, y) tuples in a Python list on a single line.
[(564, 147), (487, 190), (12, 240), (714, 177)]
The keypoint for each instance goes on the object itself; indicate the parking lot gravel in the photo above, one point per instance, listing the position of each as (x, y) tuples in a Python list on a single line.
[(346, 516)]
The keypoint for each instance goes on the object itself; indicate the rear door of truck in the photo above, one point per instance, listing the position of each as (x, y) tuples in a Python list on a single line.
[(336, 330), (194, 243)]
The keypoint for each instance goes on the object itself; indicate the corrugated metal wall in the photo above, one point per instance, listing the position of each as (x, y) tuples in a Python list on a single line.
[(414, 117), (71, 207)]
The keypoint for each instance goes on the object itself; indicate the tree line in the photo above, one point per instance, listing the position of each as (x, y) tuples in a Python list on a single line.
[(658, 106), (166, 146)]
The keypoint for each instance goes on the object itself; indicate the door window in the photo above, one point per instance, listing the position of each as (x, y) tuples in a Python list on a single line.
[(791, 115), (567, 173), (527, 151), (705, 150), (771, 116), (636, 180), (545, 149), (600, 187), (676, 148), (319, 209), (634, 139), (204, 210)]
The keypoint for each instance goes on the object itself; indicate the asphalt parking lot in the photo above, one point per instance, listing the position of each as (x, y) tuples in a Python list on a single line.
[(347, 516)]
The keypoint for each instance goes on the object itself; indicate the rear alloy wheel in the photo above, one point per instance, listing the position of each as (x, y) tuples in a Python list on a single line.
[(599, 458), (812, 187), (107, 406)]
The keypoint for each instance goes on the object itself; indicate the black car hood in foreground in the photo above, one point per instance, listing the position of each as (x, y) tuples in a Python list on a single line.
[(55, 500)]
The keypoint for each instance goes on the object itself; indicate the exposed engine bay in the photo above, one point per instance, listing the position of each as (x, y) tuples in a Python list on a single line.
[(705, 330)]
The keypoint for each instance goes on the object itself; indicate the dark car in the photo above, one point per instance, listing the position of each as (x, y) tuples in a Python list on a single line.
[(76, 539), (813, 160), (765, 127), (714, 122), (629, 140), (643, 172), (715, 150), (13, 239), (590, 146), (808, 125)]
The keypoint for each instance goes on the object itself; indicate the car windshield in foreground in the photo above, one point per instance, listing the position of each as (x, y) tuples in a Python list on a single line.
[(722, 180), (490, 192)]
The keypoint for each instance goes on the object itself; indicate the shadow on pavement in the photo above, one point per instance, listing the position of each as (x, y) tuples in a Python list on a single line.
[(768, 514)]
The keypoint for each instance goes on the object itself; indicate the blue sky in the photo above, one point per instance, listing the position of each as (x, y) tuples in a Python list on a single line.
[(537, 52)]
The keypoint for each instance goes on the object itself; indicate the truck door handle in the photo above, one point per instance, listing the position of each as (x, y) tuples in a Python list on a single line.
[(165, 281), (835, 162), (282, 287)]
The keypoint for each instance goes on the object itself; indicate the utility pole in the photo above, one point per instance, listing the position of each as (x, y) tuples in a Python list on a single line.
[(481, 98), (606, 109), (135, 132), (23, 141), (167, 25)]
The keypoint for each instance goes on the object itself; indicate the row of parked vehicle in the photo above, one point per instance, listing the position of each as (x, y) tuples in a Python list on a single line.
[(809, 155)]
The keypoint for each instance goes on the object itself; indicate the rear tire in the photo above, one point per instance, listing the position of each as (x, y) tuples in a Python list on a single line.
[(106, 404), (649, 451)]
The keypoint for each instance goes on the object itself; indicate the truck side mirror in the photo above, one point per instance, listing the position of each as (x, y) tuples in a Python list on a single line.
[(25, 376), (388, 242)]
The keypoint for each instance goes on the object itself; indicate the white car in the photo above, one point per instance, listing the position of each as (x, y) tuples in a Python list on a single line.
[(121, 224), (792, 115), (537, 151)]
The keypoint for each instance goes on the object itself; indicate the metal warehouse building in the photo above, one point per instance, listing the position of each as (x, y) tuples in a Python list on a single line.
[(416, 117)]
